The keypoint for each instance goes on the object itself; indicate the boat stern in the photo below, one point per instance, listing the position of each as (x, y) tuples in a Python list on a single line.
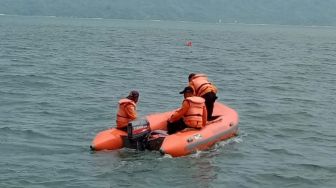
[(110, 139)]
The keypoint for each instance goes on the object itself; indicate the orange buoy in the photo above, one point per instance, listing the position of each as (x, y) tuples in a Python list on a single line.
[(188, 43)]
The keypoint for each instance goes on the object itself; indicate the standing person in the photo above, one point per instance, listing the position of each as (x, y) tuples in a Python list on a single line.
[(192, 114), (205, 89), (127, 110)]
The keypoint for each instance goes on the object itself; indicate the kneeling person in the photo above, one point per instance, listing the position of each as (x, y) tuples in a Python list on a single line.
[(204, 89), (192, 114)]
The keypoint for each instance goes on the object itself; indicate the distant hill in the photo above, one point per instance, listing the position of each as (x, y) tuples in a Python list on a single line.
[(294, 12)]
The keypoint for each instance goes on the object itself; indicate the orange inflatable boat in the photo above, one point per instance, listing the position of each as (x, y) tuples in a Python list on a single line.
[(150, 133)]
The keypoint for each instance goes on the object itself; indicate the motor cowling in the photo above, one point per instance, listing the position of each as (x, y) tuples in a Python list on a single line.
[(137, 134)]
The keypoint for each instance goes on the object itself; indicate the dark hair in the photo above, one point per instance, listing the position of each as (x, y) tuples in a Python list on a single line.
[(133, 94), (187, 90), (191, 75)]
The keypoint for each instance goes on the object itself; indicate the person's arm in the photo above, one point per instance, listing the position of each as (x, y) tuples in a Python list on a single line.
[(205, 116), (131, 111), (178, 114)]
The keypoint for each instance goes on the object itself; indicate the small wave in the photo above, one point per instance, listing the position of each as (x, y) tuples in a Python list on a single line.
[(299, 99), (316, 167), (11, 132), (96, 18), (282, 151), (197, 154), (216, 149), (235, 140), (167, 156), (287, 179), (253, 104)]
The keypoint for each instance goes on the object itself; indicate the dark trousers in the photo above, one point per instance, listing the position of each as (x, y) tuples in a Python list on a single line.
[(123, 129), (176, 126), (210, 99)]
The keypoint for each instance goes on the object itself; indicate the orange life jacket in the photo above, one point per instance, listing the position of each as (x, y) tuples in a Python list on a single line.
[(122, 118), (194, 116), (201, 84)]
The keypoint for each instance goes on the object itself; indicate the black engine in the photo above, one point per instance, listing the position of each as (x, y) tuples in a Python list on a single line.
[(138, 133), (140, 137)]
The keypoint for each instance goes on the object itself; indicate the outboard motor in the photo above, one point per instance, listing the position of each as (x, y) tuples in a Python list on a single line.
[(137, 134)]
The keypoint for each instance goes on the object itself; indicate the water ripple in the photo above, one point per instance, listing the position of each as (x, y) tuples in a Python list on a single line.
[(61, 80)]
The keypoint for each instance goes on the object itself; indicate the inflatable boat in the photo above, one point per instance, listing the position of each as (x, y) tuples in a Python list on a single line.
[(150, 133)]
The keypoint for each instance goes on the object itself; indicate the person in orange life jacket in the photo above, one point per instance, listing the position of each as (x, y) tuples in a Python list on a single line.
[(205, 89), (127, 110), (192, 114)]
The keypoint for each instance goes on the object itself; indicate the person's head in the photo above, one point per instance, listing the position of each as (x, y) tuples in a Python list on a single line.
[(134, 96), (187, 92), (191, 75)]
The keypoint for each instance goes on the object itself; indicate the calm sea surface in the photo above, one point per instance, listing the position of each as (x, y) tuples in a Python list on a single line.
[(61, 79)]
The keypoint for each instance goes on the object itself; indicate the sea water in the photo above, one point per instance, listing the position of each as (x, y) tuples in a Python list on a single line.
[(61, 79)]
